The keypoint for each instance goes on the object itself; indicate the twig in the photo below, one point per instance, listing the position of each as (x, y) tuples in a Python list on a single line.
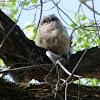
[(36, 5), (39, 18), (68, 81), (70, 77), (79, 61), (64, 12), (83, 55), (62, 17), (82, 1), (95, 19), (7, 35), (53, 6), (65, 70), (44, 66), (49, 73), (79, 90), (66, 91), (78, 14), (37, 25)]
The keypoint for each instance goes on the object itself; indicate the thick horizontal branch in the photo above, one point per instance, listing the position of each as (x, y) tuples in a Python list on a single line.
[(43, 91), (90, 64)]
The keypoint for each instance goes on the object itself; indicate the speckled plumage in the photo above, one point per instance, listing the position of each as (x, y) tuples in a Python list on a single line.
[(53, 35)]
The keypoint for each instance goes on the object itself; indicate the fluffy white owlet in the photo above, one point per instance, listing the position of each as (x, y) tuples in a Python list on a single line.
[(53, 35)]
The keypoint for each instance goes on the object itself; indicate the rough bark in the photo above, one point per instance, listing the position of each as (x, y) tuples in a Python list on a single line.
[(24, 91), (18, 51)]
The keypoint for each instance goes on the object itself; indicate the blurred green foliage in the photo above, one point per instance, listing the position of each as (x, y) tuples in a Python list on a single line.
[(88, 82), (12, 7), (85, 35), (1, 64)]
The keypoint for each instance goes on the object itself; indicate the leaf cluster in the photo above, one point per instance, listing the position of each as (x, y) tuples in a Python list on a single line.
[(86, 35)]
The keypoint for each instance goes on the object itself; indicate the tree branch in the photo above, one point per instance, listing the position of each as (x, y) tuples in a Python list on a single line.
[(25, 91), (84, 2)]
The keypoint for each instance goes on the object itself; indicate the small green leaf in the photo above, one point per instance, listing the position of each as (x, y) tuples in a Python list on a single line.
[(1, 61), (78, 82), (72, 25), (21, 3), (98, 41), (15, 11), (75, 15), (27, 3), (83, 18), (91, 22), (14, 19), (95, 82), (28, 28), (34, 1), (13, 2)]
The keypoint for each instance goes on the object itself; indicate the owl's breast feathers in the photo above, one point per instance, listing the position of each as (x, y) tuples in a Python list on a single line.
[(53, 36)]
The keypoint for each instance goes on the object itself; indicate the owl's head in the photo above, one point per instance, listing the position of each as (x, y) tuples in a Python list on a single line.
[(48, 19)]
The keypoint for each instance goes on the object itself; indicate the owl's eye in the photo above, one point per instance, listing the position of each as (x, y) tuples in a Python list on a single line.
[(48, 20), (44, 21), (54, 19)]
